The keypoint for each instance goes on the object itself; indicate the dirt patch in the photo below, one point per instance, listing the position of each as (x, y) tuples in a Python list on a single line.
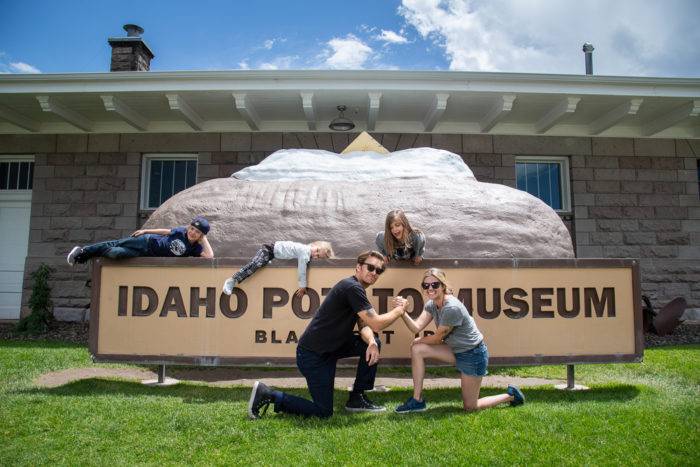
[(223, 377)]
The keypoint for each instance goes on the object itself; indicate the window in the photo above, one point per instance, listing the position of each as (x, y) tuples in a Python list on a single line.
[(546, 178), (16, 174), (165, 175)]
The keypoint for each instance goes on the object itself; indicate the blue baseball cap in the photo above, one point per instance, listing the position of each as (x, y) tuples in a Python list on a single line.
[(200, 224)]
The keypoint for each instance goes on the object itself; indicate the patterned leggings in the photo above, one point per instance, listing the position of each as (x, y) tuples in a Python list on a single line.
[(261, 259)]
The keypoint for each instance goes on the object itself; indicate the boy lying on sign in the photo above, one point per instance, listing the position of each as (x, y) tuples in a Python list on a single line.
[(188, 240)]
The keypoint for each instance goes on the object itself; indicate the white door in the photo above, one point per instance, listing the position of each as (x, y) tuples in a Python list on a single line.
[(15, 209)]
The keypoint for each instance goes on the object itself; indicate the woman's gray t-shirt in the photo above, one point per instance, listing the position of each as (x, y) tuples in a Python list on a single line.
[(464, 335)]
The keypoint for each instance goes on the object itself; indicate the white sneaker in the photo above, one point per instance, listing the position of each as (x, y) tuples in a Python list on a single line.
[(229, 285), (73, 253)]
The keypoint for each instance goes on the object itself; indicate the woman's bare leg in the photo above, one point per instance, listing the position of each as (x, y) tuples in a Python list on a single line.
[(471, 385), (419, 352)]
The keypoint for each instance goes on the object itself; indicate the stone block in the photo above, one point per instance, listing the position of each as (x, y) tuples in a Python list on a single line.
[(68, 314), (578, 161), (72, 143), (79, 235), (491, 160), (130, 210), (103, 235), (82, 209), (132, 184), (204, 158), (584, 199), (607, 186), (107, 209), (53, 184), (610, 199), (236, 142), (125, 222), (129, 171), (612, 146), (207, 171), (477, 143), (600, 162), (660, 225), (170, 142), (636, 187), (589, 251), (127, 197), (667, 163), (615, 174), (693, 213), (452, 143), (637, 162), (250, 158), (483, 173), (585, 225), (44, 171), (42, 196), (69, 171), (224, 157), (639, 238), (583, 238), (622, 251), (689, 252), (690, 225), (605, 212), (103, 142), (60, 159), (606, 238), (617, 225), (65, 222), (36, 235), (541, 145), (88, 158), (641, 212), (265, 141), (690, 163), (39, 222), (54, 235), (110, 184), (658, 200), (671, 212), (27, 144), (101, 170), (582, 174), (673, 238), (692, 189), (687, 176), (98, 222), (688, 200), (656, 251), (657, 175), (112, 158), (504, 173), (84, 183), (654, 147), (41, 250), (668, 187)]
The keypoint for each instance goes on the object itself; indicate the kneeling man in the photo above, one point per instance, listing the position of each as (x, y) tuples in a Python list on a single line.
[(328, 338)]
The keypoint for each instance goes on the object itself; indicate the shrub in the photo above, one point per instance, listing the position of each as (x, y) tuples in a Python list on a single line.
[(39, 320)]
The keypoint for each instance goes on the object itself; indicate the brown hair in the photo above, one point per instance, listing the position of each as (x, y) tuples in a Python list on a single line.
[(373, 253), (390, 243), (324, 246), (438, 274)]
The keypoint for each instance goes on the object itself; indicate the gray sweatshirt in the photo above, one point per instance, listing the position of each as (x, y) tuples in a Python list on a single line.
[(291, 250)]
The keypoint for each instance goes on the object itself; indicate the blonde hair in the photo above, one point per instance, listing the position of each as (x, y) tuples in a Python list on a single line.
[(324, 246), (438, 274), (390, 243)]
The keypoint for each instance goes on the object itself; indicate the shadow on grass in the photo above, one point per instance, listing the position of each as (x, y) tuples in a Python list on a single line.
[(39, 343)]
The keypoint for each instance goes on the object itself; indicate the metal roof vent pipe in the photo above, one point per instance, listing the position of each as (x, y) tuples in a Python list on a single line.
[(588, 50)]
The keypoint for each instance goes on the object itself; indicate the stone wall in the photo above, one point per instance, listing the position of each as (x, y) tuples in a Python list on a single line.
[(631, 197)]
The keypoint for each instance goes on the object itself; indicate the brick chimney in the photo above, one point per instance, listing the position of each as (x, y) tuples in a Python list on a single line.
[(130, 53)]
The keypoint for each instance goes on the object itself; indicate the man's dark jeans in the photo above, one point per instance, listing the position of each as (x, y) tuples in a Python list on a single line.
[(129, 247), (319, 371)]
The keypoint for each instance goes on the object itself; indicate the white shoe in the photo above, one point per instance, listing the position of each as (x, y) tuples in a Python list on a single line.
[(73, 253), (229, 285)]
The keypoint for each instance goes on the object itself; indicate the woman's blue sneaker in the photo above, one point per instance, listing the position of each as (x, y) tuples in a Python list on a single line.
[(518, 396), (411, 405)]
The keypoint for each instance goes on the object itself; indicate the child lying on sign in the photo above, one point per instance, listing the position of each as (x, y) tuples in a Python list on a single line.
[(188, 240), (282, 250)]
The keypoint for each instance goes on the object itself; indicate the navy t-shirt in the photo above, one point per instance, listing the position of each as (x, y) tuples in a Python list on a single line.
[(173, 244), (335, 320)]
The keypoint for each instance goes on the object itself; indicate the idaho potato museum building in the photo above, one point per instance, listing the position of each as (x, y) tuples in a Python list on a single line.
[(87, 157)]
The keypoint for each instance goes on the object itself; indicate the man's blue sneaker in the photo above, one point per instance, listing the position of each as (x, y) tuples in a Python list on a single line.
[(518, 396), (411, 405)]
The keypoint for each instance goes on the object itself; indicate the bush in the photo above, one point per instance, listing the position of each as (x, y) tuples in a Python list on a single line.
[(40, 318)]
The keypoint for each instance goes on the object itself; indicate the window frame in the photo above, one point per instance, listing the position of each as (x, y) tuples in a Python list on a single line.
[(146, 175), (18, 193), (564, 177)]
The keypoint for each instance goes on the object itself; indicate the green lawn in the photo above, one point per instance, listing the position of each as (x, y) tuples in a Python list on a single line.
[(645, 413)]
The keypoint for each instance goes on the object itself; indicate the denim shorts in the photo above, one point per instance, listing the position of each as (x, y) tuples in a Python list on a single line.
[(474, 362)]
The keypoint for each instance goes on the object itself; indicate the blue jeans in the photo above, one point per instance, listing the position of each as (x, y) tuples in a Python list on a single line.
[(319, 371), (129, 247)]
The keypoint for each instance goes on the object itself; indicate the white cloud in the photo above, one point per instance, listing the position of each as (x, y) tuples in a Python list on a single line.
[(545, 36), (21, 67), (243, 65), (391, 37), (268, 44), (347, 53), (280, 63)]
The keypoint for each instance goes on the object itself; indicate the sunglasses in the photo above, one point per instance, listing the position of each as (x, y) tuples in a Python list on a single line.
[(430, 285), (373, 268)]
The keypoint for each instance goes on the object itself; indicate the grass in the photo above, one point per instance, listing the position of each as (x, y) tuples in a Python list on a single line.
[(644, 413)]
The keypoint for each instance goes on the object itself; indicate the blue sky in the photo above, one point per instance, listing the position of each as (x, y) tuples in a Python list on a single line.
[(632, 37)]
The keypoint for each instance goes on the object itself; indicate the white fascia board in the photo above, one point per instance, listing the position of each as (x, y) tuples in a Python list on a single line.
[(366, 81)]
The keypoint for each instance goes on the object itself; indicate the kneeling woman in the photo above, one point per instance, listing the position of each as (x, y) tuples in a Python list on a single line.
[(456, 340)]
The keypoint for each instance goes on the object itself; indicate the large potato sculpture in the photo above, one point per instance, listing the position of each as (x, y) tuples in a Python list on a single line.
[(305, 195)]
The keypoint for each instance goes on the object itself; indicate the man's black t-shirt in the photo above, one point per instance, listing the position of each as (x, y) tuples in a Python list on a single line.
[(335, 320)]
